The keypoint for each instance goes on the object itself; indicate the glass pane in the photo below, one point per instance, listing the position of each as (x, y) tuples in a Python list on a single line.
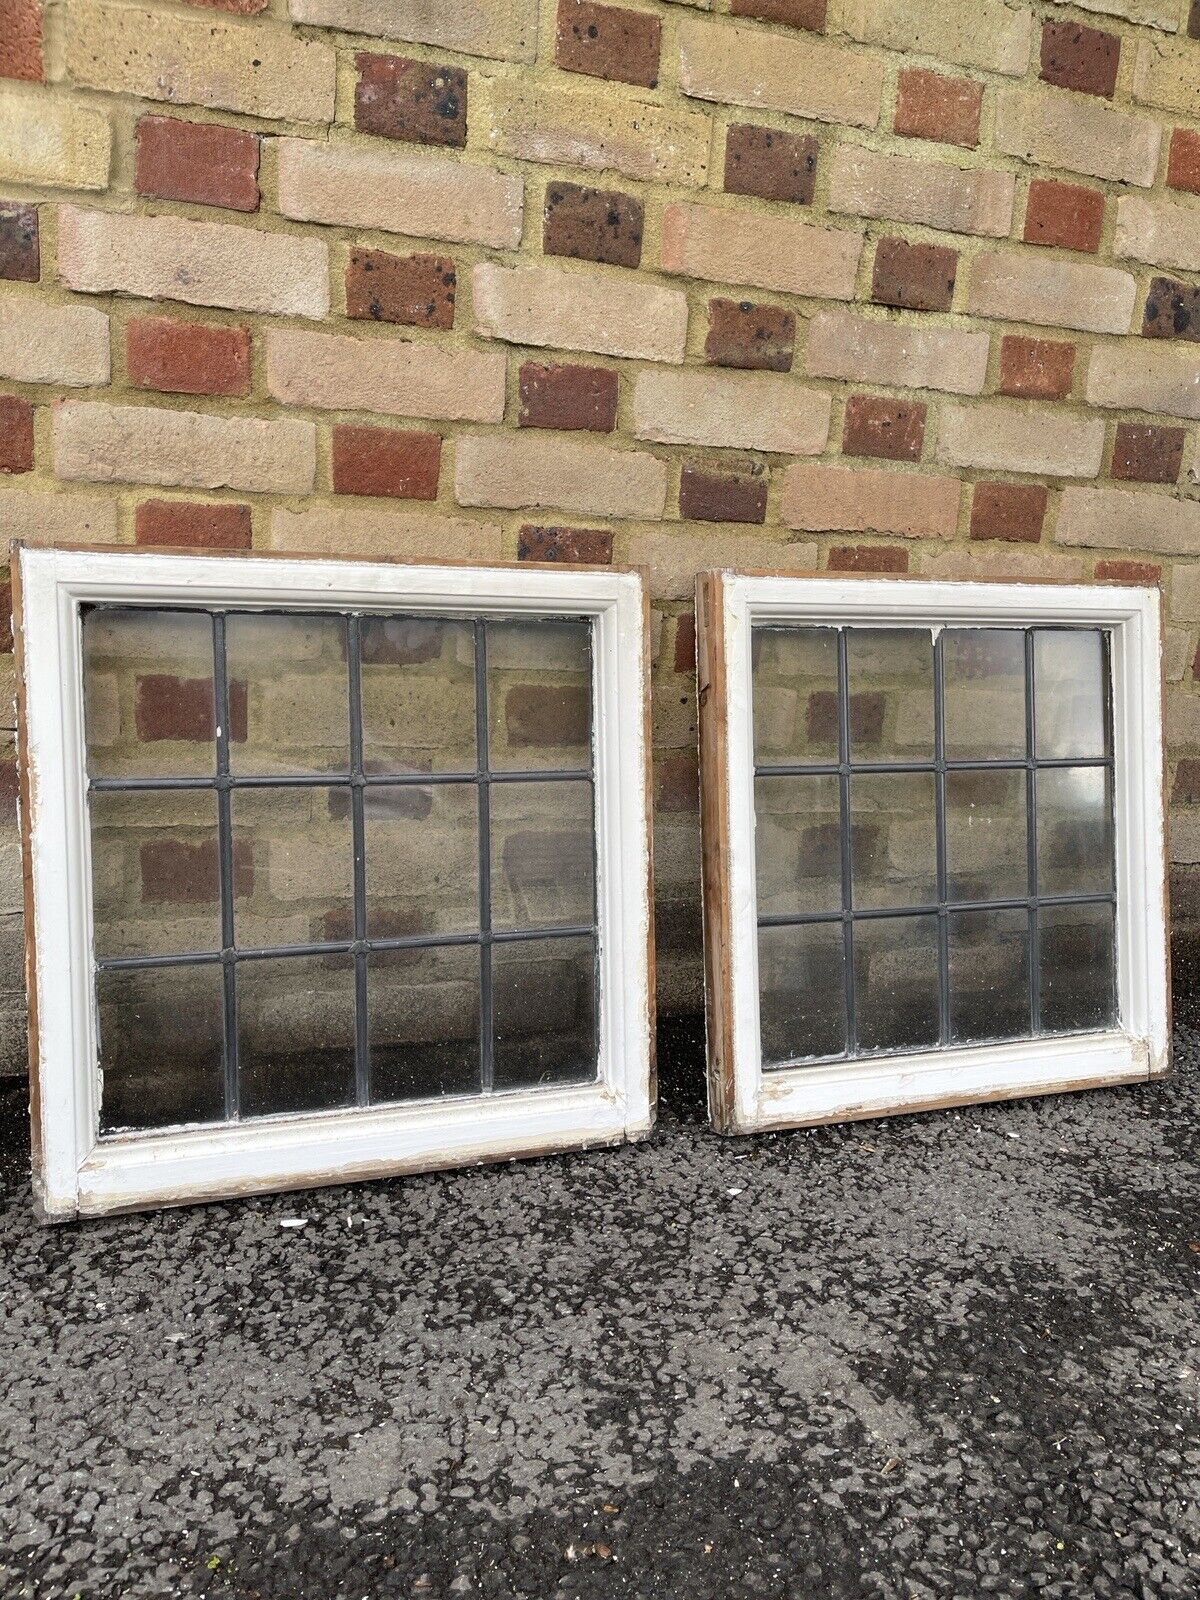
[(297, 693), (1077, 976), (795, 695), (161, 1049), (983, 672), (802, 992), (893, 839), (422, 859), (896, 982), (423, 1011), (542, 870), (797, 833), (148, 693), (1069, 692), (891, 694), (986, 842), (1074, 830), (989, 976), (293, 876), (418, 695), (295, 1034), (544, 1001), (156, 878), (539, 695)]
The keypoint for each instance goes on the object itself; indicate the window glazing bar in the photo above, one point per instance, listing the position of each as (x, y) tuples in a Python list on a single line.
[(225, 859), (879, 913), (362, 1052), (817, 769), (939, 823), (487, 1044), (305, 780), (1031, 832), (843, 668)]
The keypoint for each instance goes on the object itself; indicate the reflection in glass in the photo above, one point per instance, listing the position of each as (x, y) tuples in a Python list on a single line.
[(1075, 830), (156, 877), (983, 672), (418, 695), (795, 695), (293, 879), (987, 848), (1069, 692), (293, 674), (797, 831), (161, 1046), (896, 982), (295, 1034), (543, 875), (539, 695), (422, 854), (989, 976), (891, 694), (423, 1010), (893, 839), (1077, 968), (544, 998), (802, 990), (148, 693)]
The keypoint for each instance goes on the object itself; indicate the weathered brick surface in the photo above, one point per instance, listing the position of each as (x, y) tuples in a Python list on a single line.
[(858, 349), (1172, 310), (21, 40), (864, 183), (891, 429), (1128, 519), (766, 252), (418, 290), (742, 410), (1183, 161), (519, 470), (587, 546), (779, 72), (713, 494), (1165, 76), (199, 161), (1141, 375), (571, 397), (1012, 511), (1159, 231), (919, 277), (191, 525), (770, 164), (187, 357), (988, 34), (16, 434), (930, 105), (386, 461), (1144, 452), (396, 98), (44, 343), (579, 311), (1064, 214), (52, 142), (393, 376), (1053, 128), (1056, 293), (742, 333), (20, 244), (593, 224), (1002, 438), (867, 558), (870, 500), (1036, 369), (807, 14), (1075, 57), (608, 42), (498, 30)]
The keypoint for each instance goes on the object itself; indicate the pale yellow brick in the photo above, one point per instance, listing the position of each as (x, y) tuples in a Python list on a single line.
[(1003, 437), (1057, 128), (1158, 231), (257, 67), (425, 196), (769, 252), (596, 128), (779, 72), (1177, 653), (1183, 833), (1130, 519), (524, 469), (616, 316), (48, 140), (737, 410), (45, 343), (1016, 564), (985, 33), (143, 444), (1151, 13), (499, 30), (399, 377), (1030, 286), (1183, 591), (1182, 722), (202, 263), (866, 183), (870, 500), (55, 518), (383, 535), (1166, 76), (674, 556), (1146, 375), (900, 354)]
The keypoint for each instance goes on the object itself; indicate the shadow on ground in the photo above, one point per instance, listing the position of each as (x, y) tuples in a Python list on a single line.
[(948, 1355)]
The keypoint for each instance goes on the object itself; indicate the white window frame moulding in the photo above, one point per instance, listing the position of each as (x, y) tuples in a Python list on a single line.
[(745, 1099), (75, 1172)]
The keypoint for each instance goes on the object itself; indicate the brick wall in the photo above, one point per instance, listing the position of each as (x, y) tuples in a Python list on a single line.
[(883, 285)]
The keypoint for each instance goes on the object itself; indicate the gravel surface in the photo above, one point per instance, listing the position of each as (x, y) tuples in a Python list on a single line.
[(947, 1355)]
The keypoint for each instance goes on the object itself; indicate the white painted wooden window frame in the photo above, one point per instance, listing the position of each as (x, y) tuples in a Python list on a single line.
[(742, 1097), (78, 1173)]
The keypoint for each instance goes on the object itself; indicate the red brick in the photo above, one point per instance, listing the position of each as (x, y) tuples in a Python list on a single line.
[(1075, 57), (167, 707), (21, 40), (685, 643), (589, 546), (6, 644), (608, 42), (930, 106), (1183, 163), (867, 558), (770, 164), (1145, 572), (807, 14), (742, 333), (678, 783), (20, 252), (593, 224), (16, 434), (174, 872), (917, 277), (1186, 790), (417, 291), (386, 461), (199, 161), (1013, 511), (893, 429), (193, 525), (1172, 310), (1146, 453), (708, 495), (568, 397), (187, 357), (1036, 369), (1064, 214), (546, 713), (422, 102)]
